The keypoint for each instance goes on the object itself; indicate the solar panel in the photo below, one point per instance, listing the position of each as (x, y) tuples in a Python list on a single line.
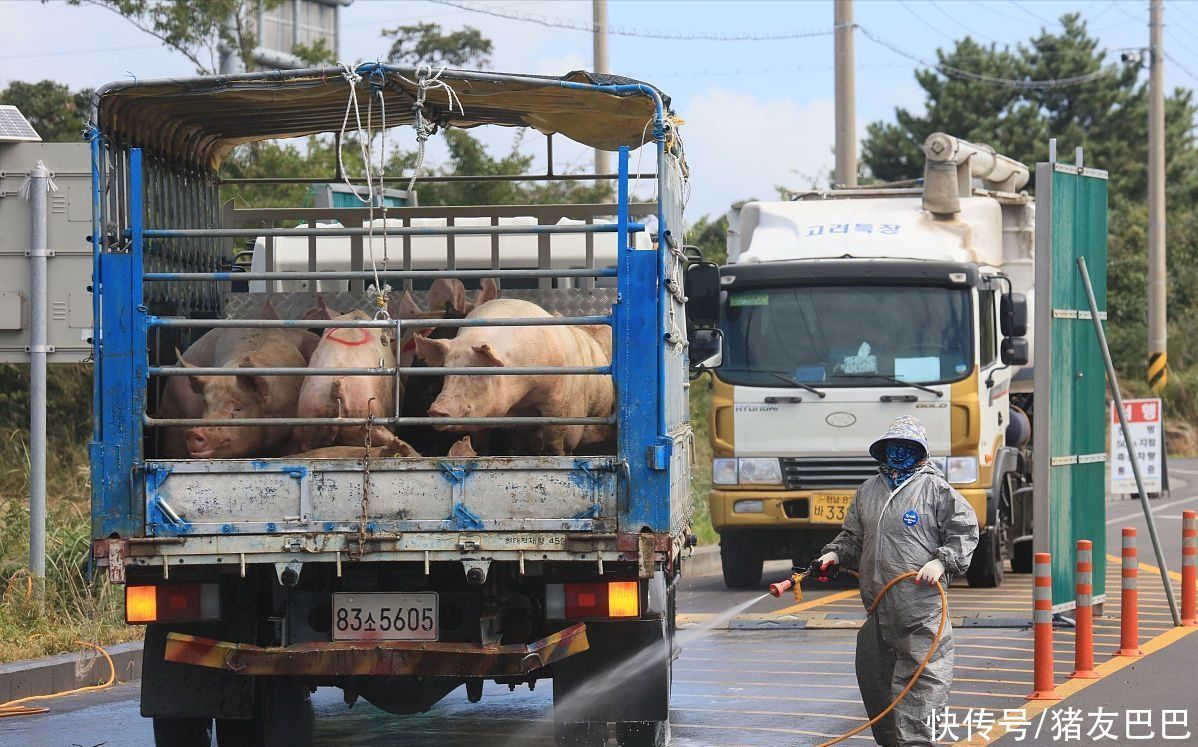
[(14, 128)]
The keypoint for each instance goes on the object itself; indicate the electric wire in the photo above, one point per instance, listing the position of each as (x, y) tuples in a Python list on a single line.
[(1186, 71)]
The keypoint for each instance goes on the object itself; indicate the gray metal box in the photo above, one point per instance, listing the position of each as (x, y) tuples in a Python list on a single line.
[(69, 306)]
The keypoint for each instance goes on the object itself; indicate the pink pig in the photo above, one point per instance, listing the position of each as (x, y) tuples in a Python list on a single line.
[(348, 396), (524, 395)]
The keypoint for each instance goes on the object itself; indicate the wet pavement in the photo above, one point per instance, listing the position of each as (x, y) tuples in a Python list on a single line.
[(780, 673)]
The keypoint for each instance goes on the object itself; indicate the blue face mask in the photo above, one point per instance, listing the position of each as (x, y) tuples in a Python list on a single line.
[(900, 455)]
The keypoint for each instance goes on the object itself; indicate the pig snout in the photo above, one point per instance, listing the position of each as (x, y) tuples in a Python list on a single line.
[(443, 407), (198, 443)]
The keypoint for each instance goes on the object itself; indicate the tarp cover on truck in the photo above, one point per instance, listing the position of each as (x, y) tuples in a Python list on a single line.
[(199, 121)]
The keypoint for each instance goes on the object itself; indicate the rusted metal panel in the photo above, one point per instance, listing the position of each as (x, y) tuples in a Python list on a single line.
[(432, 659), (405, 495)]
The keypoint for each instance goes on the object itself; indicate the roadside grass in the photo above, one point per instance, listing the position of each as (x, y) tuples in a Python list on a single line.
[(701, 469), (33, 622)]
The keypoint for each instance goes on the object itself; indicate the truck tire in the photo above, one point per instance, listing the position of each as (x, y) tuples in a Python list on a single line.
[(741, 561), (182, 732), (579, 733), (283, 717), (986, 570), (1022, 557), (643, 733)]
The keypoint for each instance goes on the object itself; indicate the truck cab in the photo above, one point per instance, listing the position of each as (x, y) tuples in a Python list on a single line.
[(845, 309)]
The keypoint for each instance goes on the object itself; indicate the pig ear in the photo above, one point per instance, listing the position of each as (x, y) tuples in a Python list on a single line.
[(488, 353), (432, 351), (488, 291), (197, 384), (268, 310), (253, 384), (326, 311), (406, 308)]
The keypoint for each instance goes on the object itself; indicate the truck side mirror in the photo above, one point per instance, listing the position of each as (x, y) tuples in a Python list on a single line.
[(1012, 315), (706, 348), (1014, 351), (702, 293)]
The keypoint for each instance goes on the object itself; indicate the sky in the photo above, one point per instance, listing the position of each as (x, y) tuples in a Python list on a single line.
[(758, 113)]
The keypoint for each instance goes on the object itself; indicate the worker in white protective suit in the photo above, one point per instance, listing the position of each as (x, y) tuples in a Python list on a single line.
[(905, 518)]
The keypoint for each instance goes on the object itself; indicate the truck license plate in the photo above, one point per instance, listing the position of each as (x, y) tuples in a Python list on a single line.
[(385, 616), (829, 509)]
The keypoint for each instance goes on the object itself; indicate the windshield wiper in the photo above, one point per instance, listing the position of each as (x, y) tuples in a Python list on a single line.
[(893, 379), (799, 384)]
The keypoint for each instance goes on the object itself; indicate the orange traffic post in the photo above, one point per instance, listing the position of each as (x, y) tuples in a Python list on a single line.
[(1083, 642), (1042, 622), (1129, 613), (1189, 568)]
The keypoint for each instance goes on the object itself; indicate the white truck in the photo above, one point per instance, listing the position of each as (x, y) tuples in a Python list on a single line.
[(844, 309)]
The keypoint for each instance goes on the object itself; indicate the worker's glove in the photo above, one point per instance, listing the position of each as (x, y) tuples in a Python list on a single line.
[(931, 572), (825, 568)]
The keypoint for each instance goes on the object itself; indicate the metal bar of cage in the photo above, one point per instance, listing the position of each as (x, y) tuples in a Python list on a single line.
[(382, 274), (268, 233), (541, 321), (383, 371), (483, 422), (449, 178)]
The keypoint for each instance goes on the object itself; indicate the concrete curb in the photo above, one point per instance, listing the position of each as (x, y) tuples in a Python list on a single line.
[(702, 561), (57, 674)]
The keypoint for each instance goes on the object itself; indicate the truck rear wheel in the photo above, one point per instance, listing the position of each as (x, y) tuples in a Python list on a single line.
[(182, 732), (643, 733), (741, 561), (579, 733), (986, 570), (282, 718)]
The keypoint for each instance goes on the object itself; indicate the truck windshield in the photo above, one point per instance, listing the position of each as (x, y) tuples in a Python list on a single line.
[(837, 336)]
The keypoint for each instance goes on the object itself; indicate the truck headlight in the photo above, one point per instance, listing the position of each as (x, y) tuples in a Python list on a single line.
[(723, 471), (760, 472), (748, 507), (962, 470)]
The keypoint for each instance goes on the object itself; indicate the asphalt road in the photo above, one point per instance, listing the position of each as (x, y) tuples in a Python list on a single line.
[(782, 675)]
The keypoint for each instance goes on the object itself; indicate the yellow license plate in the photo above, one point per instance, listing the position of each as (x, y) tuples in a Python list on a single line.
[(830, 509)]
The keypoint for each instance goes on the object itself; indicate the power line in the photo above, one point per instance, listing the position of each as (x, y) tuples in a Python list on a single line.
[(64, 53), (1181, 67), (589, 27), (952, 17), (925, 21)]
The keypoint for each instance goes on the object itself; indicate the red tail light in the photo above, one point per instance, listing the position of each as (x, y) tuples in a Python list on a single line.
[(171, 603), (606, 599)]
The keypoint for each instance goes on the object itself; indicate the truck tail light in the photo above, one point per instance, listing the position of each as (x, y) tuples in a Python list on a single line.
[(597, 599), (171, 603)]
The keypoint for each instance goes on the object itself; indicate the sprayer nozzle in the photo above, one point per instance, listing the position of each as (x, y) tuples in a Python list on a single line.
[(777, 589)]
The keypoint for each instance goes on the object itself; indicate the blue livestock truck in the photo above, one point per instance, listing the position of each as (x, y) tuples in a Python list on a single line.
[(398, 576)]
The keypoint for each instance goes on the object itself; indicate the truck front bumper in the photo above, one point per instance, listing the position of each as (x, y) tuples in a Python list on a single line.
[(427, 658), (789, 509)]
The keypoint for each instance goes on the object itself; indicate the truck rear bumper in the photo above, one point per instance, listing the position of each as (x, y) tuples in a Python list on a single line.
[(788, 509), (378, 657)]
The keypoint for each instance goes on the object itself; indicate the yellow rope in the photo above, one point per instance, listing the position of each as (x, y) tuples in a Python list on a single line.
[(14, 707)]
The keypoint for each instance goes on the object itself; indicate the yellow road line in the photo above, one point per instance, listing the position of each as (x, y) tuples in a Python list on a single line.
[(1034, 708), (812, 604), (1145, 567)]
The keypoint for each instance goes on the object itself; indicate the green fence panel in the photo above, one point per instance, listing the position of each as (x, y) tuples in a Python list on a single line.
[(1070, 379)]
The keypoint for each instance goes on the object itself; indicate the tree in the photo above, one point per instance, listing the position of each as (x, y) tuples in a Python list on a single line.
[(1107, 116), (57, 114), (425, 44)]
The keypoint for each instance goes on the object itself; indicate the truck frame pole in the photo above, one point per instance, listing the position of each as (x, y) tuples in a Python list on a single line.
[(39, 183), (846, 106), (1158, 332), (599, 18)]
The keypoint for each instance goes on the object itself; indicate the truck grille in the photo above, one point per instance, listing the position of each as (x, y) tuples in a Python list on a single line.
[(815, 473)]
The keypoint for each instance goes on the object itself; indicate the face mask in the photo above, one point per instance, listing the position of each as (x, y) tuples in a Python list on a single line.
[(900, 455)]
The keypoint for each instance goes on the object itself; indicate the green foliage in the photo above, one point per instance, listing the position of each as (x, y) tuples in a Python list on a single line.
[(425, 44), (58, 114), (711, 237), (1108, 118), (701, 470)]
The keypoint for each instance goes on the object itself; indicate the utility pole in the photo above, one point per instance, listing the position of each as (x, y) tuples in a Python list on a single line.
[(599, 17), (1158, 333), (846, 106), (39, 184)]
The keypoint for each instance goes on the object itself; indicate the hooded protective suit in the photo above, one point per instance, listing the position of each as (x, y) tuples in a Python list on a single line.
[(886, 533)]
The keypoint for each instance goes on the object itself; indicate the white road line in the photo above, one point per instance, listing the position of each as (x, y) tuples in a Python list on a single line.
[(1155, 508)]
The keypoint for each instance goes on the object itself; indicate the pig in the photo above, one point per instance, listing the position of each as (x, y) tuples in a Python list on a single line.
[(180, 398), (488, 291), (397, 448), (462, 449), (241, 396), (540, 395), (445, 296), (348, 396)]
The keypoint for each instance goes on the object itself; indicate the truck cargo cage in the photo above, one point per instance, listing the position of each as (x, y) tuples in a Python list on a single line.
[(165, 273)]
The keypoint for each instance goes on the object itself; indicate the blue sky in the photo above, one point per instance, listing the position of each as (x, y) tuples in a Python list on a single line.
[(758, 113)]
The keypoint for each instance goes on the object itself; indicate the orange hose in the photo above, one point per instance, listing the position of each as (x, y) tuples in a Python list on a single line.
[(13, 707), (915, 677)]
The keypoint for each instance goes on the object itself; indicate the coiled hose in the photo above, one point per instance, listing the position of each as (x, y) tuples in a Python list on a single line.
[(797, 578)]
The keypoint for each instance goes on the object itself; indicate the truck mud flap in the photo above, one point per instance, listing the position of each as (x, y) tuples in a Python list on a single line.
[(427, 658)]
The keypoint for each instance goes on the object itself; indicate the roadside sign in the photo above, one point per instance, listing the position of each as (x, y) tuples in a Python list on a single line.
[(1068, 429), (1144, 419)]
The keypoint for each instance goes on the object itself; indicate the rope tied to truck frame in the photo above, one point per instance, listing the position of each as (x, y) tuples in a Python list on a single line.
[(793, 583)]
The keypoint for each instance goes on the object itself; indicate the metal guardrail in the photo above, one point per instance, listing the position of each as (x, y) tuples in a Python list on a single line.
[(400, 324)]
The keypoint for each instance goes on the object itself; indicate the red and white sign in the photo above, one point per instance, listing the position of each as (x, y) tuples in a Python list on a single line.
[(1146, 423)]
